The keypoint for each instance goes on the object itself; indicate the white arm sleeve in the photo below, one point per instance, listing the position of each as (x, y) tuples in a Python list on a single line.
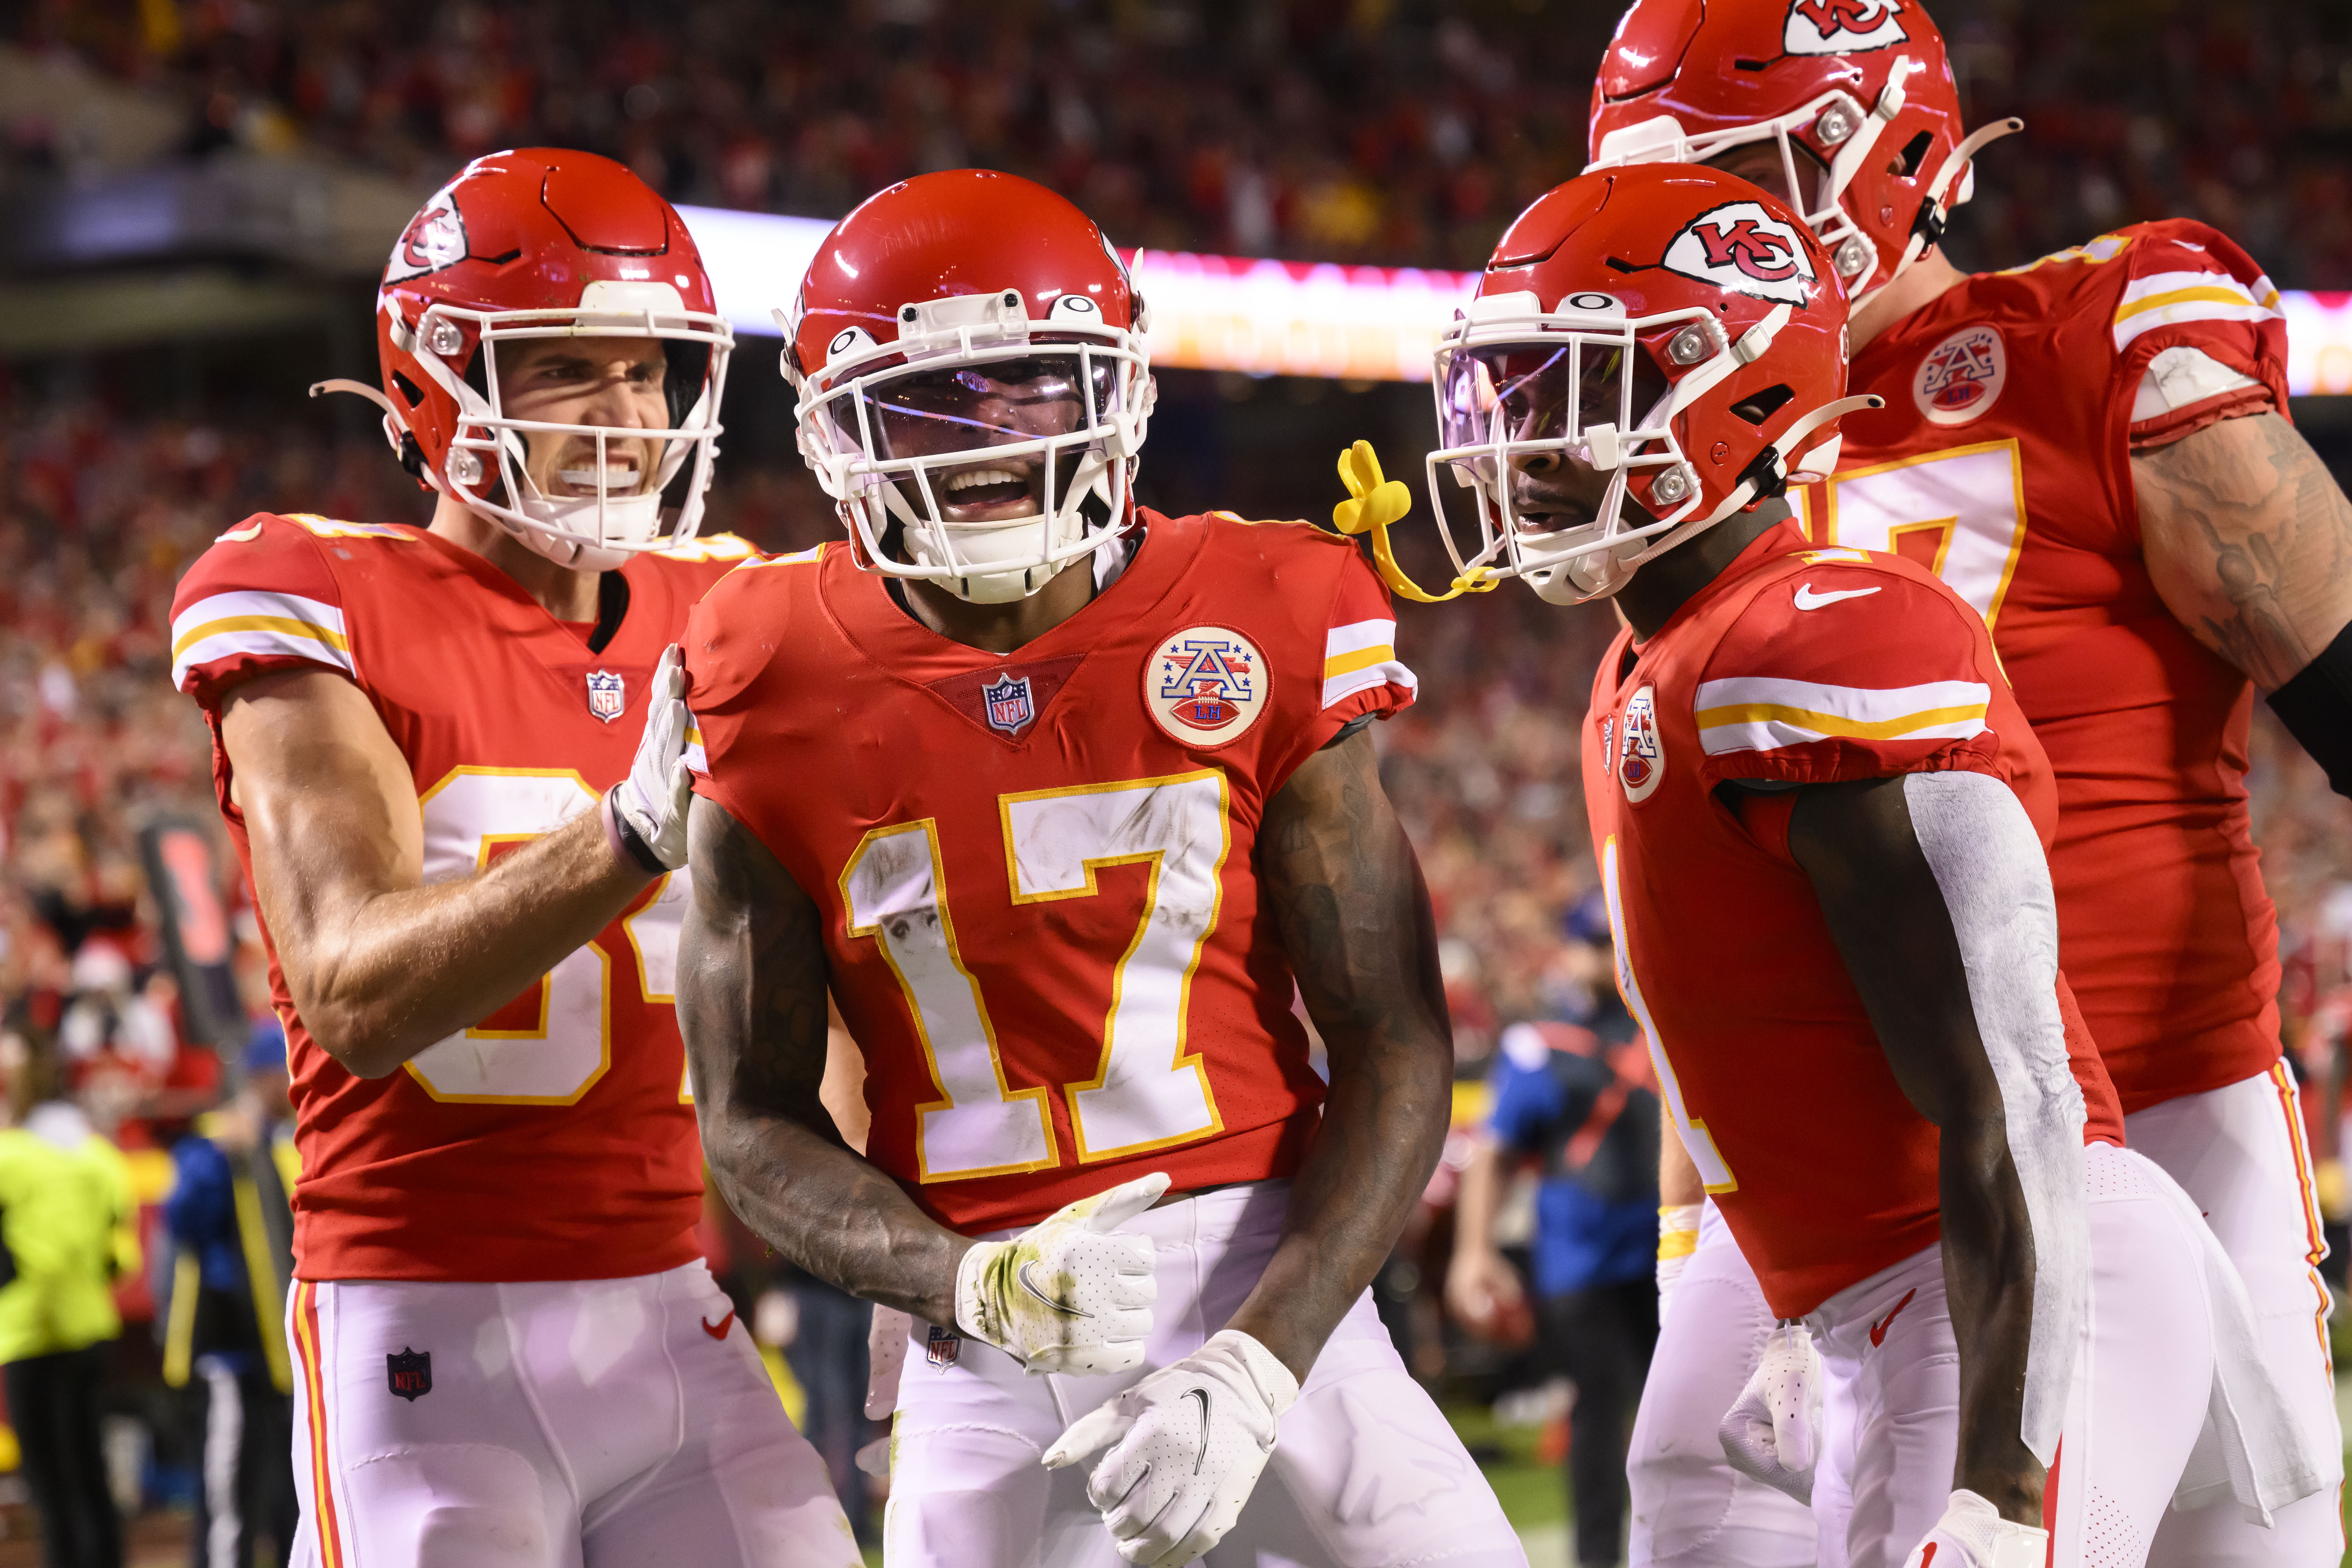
[(1988, 864)]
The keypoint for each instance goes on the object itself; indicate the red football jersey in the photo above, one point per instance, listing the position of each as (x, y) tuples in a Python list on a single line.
[(1041, 917), (2003, 463), (554, 1141), (1794, 667)]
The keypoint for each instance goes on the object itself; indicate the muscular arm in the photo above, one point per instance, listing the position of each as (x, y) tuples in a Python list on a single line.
[(381, 966), (751, 1004), (2250, 542), (1890, 920), (1348, 898)]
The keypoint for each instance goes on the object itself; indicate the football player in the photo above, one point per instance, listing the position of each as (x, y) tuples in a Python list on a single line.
[(2094, 451), (1820, 823), (507, 1348), (1064, 801)]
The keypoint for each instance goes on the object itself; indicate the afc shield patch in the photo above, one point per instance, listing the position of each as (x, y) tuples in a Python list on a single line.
[(1006, 703), (409, 1373), (940, 1349), (1205, 686), (608, 695), (1642, 755), (1961, 376)]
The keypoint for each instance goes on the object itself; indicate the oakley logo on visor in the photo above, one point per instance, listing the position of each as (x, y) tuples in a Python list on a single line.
[(436, 239), (1740, 247), (1842, 26)]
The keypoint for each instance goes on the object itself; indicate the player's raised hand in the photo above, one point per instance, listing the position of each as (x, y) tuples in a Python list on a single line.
[(1187, 1445), (652, 801), (1773, 1432), (1972, 1534), (1068, 1294)]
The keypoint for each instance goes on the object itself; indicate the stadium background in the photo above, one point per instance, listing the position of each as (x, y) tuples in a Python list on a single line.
[(195, 196)]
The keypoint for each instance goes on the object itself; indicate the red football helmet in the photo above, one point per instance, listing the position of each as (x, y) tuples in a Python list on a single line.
[(972, 335), (546, 243), (1666, 336), (1863, 85)]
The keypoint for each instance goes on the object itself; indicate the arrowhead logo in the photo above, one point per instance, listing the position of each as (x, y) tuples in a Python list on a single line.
[(1742, 248), (1809, 600), (718, 1330)]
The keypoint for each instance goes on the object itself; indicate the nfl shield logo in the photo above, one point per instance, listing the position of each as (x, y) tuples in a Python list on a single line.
[(409, 1373), (606, 695), (1007, 704), (940, 1349)]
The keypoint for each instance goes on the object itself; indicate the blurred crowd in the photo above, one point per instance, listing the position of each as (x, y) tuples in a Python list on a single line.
[(1400, 131)]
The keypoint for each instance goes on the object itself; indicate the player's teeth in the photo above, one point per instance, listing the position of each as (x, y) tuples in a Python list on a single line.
[(983, 477), (618, 475)]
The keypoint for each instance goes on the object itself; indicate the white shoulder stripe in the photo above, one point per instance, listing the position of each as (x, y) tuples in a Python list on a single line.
[(1357, 635), (2173, 298), (261, 625), (1762, 713), (1388, 672)]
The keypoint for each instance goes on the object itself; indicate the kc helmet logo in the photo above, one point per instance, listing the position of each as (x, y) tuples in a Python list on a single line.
[(436, 239), (1843, 27), (1742, 248)]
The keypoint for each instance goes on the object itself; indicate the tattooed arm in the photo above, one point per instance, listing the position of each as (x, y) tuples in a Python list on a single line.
[(1348, 898), (2250, 542), (751, 1004)]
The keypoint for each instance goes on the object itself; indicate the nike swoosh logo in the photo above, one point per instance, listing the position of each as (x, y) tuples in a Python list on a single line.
[(1878, 1329), (1809, 600), (718, 1330), (1022, 1274), (1203, 1396)]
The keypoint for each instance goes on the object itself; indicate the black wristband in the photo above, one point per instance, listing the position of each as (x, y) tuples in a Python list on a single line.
[(2317, 709), (626, 837)]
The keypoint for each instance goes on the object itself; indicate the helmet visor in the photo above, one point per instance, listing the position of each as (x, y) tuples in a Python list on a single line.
[(1545, 392), (929, 413)]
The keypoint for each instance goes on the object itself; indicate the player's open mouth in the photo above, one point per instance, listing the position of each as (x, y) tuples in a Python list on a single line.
[(971, 495), (618, 477)]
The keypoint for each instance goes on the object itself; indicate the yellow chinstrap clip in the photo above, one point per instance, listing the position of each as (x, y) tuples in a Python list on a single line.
[(1373, 502)]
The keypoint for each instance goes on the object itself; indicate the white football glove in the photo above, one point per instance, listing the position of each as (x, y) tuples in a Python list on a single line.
[(1972, 1534), (654, 798), (1773, 1432), (1187, 1445), (1067, 1295)]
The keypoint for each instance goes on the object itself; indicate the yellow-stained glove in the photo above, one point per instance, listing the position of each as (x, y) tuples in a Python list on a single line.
[(1373, 502)]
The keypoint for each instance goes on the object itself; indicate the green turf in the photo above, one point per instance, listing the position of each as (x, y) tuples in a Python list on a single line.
[(1533, 1494)]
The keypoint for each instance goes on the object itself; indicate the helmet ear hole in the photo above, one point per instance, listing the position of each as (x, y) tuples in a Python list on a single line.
[(410, 392), (1763, 404), (1915, 152)]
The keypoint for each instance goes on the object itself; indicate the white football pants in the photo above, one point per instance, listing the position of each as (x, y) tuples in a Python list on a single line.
[(1691, 1508), (2239, 1152), (1365, 1473), (584, 1424), (2143, 1380)]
